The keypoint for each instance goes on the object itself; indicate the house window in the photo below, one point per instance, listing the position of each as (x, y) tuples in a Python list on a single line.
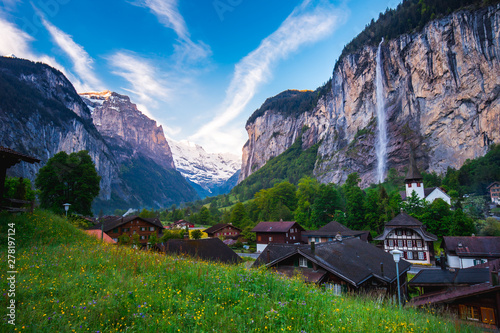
[(143, 228), (410, 243), (270, 239), (418, 184), (286, 234), (409, 233), (400, 243), (409, 184), (488, 316), (143, 237), (399, 232), (468, 312), (115, 230), (391, 242), (419, 243), (318, 240), (259, 238), (421, 256), (302, 262), (115, 239), (409, 255), (330, 239), (151, 228), (125, 229)]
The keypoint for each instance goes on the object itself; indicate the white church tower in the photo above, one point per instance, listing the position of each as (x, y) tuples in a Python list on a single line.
[(414, 180)]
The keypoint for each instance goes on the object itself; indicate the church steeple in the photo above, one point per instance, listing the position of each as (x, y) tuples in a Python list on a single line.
[(414, 180)]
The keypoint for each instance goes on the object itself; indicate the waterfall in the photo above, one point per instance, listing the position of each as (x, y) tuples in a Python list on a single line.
[(381, 142)]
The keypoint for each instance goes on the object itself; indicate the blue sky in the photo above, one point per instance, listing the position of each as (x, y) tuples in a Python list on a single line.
[(199, 68)]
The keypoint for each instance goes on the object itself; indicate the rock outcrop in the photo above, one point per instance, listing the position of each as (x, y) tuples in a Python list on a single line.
[(442, 96)]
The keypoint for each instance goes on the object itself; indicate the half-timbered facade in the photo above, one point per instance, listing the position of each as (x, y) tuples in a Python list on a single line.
[(282, 232), (406, 233)]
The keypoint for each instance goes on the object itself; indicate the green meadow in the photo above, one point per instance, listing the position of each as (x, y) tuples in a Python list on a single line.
[(70, 282)]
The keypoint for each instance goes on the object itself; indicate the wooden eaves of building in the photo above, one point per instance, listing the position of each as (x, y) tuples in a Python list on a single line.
[(474, 302), (9, 158), (346, 265), (130, 225)]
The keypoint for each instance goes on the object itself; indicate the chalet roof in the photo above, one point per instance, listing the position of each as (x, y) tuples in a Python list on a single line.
[(112, 223), (97, 233), (444, 277), (212, 249), (492, 184), (218, 227), (351, 259), (413, 173), (333, 228), (404, 220), (310, 275), (449, 296), (281, 226), (473, 246), (10, 157)]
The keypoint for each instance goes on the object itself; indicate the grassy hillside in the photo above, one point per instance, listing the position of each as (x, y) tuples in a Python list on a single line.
[(68, 282)]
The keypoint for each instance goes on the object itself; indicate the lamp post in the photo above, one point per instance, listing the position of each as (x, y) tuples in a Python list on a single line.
[(66, 208), (396, 254)]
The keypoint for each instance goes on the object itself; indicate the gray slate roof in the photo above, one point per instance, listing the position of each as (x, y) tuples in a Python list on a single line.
[(473, 246), (333, 228), (112, 222), (351, 259), (404, 220), (212, 249), (282, 226), (468, 276)]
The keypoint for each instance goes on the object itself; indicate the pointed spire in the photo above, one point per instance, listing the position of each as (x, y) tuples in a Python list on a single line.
[(413, 173)]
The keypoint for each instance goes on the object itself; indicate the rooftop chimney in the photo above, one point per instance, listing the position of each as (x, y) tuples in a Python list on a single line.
[(268, 256), (382, 268), (313, 248)]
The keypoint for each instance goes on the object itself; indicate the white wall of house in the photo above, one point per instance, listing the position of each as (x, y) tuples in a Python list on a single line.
[(438, 193), (418, 187), (457, 262), (261, 247)]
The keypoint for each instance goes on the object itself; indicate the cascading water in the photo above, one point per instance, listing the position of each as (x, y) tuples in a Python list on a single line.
[(381, 143)]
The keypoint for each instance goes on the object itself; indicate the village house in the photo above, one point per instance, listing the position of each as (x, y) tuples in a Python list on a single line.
[(406, 233), (494, 189), (211, 249), (225, 230), (344, 265), (414, 182), (181, 224), (472, 294), (282, 232), (131, 225), (468, 251), (330, 231)]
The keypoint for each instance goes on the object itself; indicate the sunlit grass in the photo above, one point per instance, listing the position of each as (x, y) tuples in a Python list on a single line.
[(70, 282)]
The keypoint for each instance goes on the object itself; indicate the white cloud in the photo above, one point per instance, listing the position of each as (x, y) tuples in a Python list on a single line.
[(146, 81), (82, 62), (17, 42), (168, 14), (308, 23)]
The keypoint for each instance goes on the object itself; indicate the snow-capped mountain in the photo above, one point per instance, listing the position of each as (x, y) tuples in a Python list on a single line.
[(210, 171)]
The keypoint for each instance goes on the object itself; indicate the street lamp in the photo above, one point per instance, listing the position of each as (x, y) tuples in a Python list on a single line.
[(66, 208), (396, 254)]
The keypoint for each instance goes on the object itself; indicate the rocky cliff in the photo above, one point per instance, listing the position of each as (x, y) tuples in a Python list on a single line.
[(442, 96), (41, 114)]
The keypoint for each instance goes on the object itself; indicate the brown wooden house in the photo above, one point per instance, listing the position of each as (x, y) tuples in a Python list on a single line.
[(225, 230), (131, 225), (282, 232), (477, 301), (345, 265)]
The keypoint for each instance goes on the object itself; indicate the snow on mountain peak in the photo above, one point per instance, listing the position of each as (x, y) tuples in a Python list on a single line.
[(205, 169)]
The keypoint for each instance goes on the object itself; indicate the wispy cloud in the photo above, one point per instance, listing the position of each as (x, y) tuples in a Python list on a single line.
[(146, 81), (307, 24), (17, 42), (82, 62), (168, 14)]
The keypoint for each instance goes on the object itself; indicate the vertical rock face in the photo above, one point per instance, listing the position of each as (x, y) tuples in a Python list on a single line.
[(41, 114), (122, 124), (442, 94)]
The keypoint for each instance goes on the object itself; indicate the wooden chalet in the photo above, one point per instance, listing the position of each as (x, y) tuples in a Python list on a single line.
[(130, 225), (282, 232), (333, 230), (210, 249), (470, 294), (406, 233), (181, 224), (225, 230), (9, 158), (468, 251), (346, 265), (494, 189)]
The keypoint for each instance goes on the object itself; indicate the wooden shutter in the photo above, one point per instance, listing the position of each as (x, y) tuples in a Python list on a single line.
[(488, 316)]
